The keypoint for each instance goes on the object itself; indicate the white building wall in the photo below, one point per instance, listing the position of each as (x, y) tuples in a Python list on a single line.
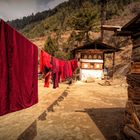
[(91, 73)]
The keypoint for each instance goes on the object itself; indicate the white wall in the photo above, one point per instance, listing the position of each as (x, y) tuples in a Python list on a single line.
[(86, 73), (92, 73)]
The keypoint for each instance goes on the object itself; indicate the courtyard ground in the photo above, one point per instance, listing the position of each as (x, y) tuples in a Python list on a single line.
[(81, 111)]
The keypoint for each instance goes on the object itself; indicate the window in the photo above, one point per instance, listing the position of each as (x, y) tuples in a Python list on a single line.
[(95, 56), (99, 56), (85, 56), (90, 56), (85, 65), (98, 66), (91, 65)]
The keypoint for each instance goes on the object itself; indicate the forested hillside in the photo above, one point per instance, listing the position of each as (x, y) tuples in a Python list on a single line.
[(74, 14), (71, 23)]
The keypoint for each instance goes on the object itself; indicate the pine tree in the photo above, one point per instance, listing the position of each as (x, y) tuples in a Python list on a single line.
[(50, 46)]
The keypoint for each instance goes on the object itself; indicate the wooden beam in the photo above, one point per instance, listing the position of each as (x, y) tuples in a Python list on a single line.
[(123, 33), (136, 121), (110, 27), (135, 67), (136, 34), (131, 132)]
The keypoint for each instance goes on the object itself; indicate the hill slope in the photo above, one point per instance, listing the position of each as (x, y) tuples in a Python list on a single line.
[(63, 22), (73, 15)]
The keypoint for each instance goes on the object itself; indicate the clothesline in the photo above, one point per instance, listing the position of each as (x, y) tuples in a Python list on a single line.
[(61, 69), (51, 55), (19, 70)]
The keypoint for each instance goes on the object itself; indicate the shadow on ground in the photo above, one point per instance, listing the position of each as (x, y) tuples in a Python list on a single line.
[(110, 121), (31, 132)]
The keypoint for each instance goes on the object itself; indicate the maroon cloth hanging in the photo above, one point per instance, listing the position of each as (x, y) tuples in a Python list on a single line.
[(45, 60), (4, 82), (74, 64), (47, 79), (45, 63), (68, 69), (18, 71), (55, 72), (61, 69)]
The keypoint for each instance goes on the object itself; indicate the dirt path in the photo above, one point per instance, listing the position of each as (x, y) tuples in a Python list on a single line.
[(21, 124), (89, 112)]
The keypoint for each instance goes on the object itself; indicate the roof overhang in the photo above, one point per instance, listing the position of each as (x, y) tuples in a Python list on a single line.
[(123, 33), (131, 28), (97, 45)]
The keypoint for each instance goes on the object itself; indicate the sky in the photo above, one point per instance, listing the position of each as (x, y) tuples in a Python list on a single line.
[(13, 9)]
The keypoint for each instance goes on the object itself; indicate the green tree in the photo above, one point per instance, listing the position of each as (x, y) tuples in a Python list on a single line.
[(50, 46), (85, 19), (62, 55), (75, 39)]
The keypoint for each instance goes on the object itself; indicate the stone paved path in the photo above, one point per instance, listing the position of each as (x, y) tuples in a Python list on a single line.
[(89, 112)]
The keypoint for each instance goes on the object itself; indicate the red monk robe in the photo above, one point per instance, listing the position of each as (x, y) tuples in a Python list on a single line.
[(45, 60), (47, 79), (4, 96), (61, 69), (55, 72), (47, 75), (18, 71), (74, 64), (45, 64)]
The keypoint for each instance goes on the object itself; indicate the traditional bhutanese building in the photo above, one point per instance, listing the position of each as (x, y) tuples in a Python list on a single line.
[(91, 57)]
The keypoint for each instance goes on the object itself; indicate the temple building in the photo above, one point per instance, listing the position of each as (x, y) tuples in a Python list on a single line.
[(91, 57)]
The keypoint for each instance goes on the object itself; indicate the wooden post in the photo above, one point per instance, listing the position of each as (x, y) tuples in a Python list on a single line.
[(113, 69), (103, 16), (103, 60)]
